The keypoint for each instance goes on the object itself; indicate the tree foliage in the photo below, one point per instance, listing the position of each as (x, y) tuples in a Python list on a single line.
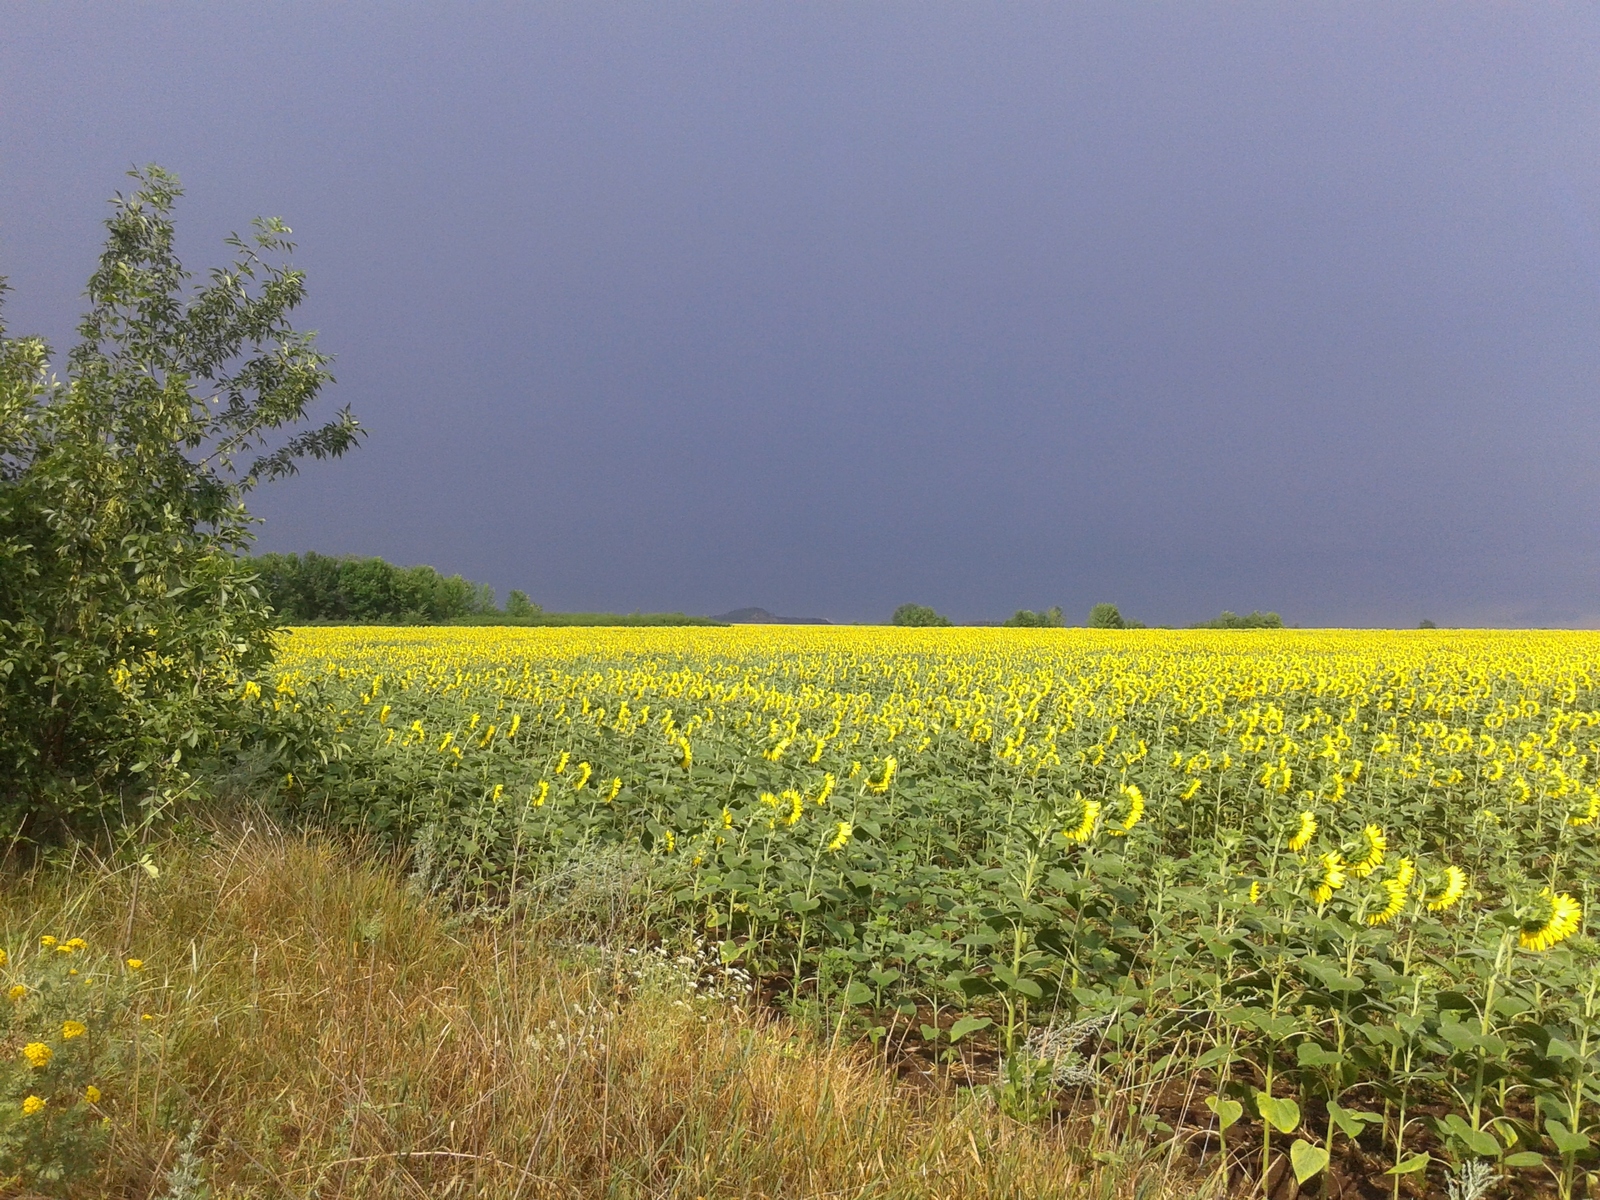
[(1025, 618), (518, 605), (1106, 616), (1254, 620), (128, 622), (918, 615), (320, 587)]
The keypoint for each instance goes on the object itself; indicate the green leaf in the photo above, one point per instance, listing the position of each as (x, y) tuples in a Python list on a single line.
[(1280, 1112), (1567, 1141), (1312, 1055), (1307, 1160), (930, 1033), (1228, 1111), (858, 993), (968, 1025), (1417, 1162), (1523, 1158), (1559, 1049), (1350, 1121)]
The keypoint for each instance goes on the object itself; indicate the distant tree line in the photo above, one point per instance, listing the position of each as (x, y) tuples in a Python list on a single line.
[(1101, 616), (321, 587), (1255, 620)]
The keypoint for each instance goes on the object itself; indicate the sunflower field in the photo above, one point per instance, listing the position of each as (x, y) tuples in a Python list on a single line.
[(1313, 902)]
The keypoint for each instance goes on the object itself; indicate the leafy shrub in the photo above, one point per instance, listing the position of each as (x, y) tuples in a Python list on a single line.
[(1025, 618), (319, 587), (1106, 616), (918, 615), (128, 625), (518, 605), (1254, 620)]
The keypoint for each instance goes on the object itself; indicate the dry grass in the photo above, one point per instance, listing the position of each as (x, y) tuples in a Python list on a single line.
[(334, 1036)]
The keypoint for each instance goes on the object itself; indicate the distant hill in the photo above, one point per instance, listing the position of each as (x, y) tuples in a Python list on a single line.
[(760, 616)]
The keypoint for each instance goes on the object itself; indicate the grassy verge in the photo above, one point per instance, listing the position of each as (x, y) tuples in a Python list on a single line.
[(327, 1033)]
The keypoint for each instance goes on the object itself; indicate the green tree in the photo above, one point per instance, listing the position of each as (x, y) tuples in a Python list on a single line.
[(128, 623), (1106, 616), (317, 587), (1254, 620), (1026, 618), (918, 615), (518, 605)]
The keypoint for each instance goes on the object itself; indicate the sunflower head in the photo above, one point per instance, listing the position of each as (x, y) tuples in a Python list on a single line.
[(1303, 835), (1556, 917)]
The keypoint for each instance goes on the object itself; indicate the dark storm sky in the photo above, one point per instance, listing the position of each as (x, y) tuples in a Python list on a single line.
[(825, 307)]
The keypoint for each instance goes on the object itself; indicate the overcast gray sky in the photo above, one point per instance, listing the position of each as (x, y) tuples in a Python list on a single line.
[(825, 307)]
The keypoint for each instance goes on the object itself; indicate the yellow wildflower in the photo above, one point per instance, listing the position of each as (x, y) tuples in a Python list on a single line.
[(18, 991), (38, 1055), (136, 964), (92, 1094), (33, 1104), (72, 1029), (47, 941)]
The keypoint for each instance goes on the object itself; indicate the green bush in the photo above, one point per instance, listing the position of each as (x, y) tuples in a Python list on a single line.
[(518, 605), (128, 623), (1025, 618), (1106, 616), (918, 614), (318, 587), (1255, 620)]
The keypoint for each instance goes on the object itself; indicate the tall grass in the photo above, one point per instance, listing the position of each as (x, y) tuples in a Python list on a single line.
[(322, 1031)]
